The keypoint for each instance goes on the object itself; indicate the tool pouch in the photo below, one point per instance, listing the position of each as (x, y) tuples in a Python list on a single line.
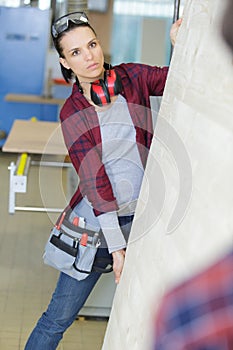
[(66, 252)]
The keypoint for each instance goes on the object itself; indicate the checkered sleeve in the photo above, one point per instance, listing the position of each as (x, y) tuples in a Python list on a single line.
[(198, 314)]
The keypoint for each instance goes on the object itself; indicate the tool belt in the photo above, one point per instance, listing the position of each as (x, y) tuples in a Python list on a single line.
[(72, 249)]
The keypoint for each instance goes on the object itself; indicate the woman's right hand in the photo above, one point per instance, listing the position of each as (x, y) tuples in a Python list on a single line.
[(174, 30), (118, 263)]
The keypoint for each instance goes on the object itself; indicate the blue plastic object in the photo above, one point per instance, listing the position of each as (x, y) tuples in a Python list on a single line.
[(24, 40)]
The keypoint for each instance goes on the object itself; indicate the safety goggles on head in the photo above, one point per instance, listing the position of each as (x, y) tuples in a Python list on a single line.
[(62, 23)]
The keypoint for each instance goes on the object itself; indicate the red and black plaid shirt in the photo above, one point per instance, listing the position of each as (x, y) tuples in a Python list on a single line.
[(198, 314), (81, 131)]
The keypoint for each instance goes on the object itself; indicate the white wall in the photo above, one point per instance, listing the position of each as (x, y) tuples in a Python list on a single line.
[(184, 217), (153, 41)]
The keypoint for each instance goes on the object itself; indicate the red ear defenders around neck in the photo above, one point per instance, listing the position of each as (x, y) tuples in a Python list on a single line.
[(103, 89)]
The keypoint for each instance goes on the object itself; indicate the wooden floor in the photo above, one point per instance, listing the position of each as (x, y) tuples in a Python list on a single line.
[(26, 284)]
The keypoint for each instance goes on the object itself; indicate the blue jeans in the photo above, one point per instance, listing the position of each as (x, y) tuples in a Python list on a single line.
[(67, 300)]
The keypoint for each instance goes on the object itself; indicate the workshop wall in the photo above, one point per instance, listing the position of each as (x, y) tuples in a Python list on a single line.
[(102, 22), (184, 217)]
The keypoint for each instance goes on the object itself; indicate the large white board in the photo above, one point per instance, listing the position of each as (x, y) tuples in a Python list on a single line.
[(184, 217)]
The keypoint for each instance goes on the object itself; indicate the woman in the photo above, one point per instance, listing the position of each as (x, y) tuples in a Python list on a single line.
[(107, 128)]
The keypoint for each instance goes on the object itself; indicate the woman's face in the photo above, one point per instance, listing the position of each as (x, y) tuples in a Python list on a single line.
[(82, 54)]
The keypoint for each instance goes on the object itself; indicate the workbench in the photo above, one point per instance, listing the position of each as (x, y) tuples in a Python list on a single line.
[(28, 138)]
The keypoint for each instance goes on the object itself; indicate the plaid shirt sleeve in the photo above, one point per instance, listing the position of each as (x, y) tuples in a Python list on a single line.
[(198, 314)]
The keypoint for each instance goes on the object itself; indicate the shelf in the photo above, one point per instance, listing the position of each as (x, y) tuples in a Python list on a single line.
[(34, 99)]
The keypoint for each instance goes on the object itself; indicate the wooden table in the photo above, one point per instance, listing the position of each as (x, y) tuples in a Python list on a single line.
[(28, 138), (35, 137)]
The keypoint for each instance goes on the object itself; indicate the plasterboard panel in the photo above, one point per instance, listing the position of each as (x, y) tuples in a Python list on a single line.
[(184, 216)]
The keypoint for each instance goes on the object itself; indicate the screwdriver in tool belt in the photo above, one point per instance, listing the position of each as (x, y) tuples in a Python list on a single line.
[(78, 221), (95, 239), (83, 240), (75, 221), (61, 220)]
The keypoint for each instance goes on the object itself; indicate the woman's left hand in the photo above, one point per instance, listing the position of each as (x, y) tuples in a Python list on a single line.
[(118, 263), (174, 30)]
